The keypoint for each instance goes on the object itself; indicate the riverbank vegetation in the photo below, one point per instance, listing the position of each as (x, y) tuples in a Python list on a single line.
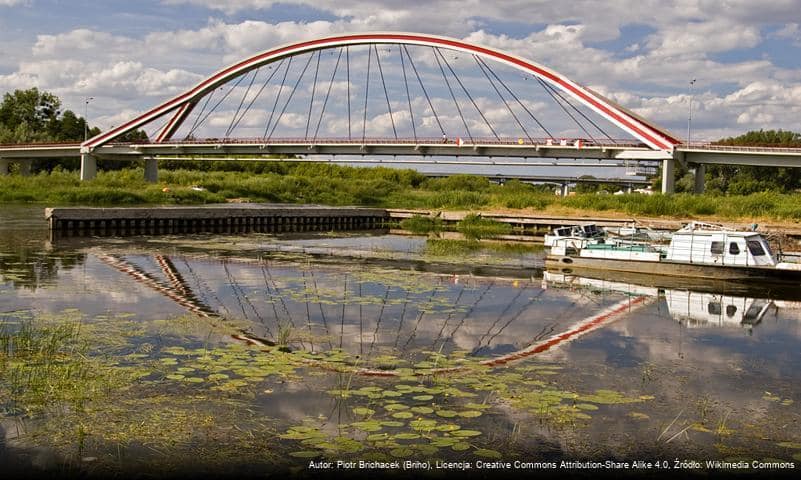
[(381, 187)]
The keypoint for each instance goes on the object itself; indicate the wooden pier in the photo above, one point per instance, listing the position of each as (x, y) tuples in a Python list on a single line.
[(224, 218)]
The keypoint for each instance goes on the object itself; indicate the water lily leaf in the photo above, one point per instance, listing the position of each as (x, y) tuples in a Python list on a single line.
[(407, 436), (194, 380), (423, 398), (427, 449), (483, 452), (447, 427), (174, 376), (214, 377), (422, 410), (470, 414), (586, 406), (305, 454), (394, 407), (377, 436), (466, 433), (369, 425), (363, 411), (401, 452), (423, 424), (392, 423), (446, 413), (460, 446), (403, 415)]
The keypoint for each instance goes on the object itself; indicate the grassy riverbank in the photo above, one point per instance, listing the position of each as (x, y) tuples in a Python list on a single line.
[(336, 185)]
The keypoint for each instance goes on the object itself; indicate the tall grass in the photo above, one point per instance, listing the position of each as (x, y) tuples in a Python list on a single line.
[(382, 187)]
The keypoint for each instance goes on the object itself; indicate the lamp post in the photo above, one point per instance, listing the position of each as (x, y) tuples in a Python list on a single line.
[(86, 117), (690, 110)]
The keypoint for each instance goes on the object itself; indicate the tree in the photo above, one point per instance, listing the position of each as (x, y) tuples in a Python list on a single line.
[(38, 110), (742, 179)]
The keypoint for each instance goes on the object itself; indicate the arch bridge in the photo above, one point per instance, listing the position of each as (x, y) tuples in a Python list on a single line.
[(390, 94)]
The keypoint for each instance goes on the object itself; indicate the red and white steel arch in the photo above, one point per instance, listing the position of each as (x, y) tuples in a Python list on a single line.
[(181, 106)]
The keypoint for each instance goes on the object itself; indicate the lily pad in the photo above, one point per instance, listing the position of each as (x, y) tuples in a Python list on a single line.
[(446, 413), (423, 398), (460, 446), (486, 453), (422, 410), (402, 452), (403, 415), (466, 433), (305, 454), (470, 414), (363, 411)]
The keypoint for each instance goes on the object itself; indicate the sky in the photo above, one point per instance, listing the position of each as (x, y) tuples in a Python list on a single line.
[(744, 55)]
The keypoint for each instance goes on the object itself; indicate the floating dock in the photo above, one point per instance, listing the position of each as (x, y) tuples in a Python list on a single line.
[(223, 218)]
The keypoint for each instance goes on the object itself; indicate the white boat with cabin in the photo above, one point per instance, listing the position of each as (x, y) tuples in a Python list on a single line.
[(697, 250)]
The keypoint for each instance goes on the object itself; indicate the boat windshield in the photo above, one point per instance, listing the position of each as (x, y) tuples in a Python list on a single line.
[(755, 247), (563, 232)]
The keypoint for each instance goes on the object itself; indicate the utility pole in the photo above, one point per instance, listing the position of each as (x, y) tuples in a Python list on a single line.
[(86, 117)]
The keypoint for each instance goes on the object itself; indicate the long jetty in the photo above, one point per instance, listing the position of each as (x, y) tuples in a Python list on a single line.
[(283, 218), (223, 218)]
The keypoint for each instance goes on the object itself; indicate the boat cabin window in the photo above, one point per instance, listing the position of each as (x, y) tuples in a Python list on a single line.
[(713, 308), (731, 310), (716, 248), (563, 232), (755, 247), (591, 230), (734, 249)]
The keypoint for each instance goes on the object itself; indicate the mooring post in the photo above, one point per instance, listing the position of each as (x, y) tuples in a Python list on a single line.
[(668, 183), (151, 170), (4, 166), (700, 173), (88, 166), (25, 166)]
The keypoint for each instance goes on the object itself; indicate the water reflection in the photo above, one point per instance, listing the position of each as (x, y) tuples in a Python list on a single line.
[(535, 367), (691, 308)]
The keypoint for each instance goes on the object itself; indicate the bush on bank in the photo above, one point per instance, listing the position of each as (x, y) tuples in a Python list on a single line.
[(339, 185)]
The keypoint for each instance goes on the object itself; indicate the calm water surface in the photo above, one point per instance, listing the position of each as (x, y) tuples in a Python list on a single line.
[(224, 354)]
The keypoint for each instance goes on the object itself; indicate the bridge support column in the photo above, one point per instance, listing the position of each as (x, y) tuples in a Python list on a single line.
[(565, 189), (4, 166), (700, 174), (88, 166), (151, 170), (25, 166), (668, 182)]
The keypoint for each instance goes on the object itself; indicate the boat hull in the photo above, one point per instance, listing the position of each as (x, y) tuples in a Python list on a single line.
[(575, 264)]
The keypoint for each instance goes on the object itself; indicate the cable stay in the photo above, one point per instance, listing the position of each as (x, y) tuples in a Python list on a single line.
[(389, 107), (425, 92), (453, 96), (277, 96), (468, 94)]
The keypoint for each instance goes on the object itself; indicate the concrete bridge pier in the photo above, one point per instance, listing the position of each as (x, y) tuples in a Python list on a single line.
[(151, 170), (4, 166), (565, 189), (700, 173), (88, 166), (668, 182)]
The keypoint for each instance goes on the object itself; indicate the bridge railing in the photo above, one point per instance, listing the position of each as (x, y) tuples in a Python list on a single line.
[(542, 142), (739, 148)]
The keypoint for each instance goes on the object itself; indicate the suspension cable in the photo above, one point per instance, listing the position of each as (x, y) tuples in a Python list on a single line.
[(425, 92), (522, 105), (561, 105), (241, 102), (314, 89), (567, 100), (200, 113), (253, 100), (277, 96), (236, 84), (408, 95), (389, 107), (453, 96), (366, 93), (468, 94), (347, 64), (508, 107), (327, 94), (291, 94)]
